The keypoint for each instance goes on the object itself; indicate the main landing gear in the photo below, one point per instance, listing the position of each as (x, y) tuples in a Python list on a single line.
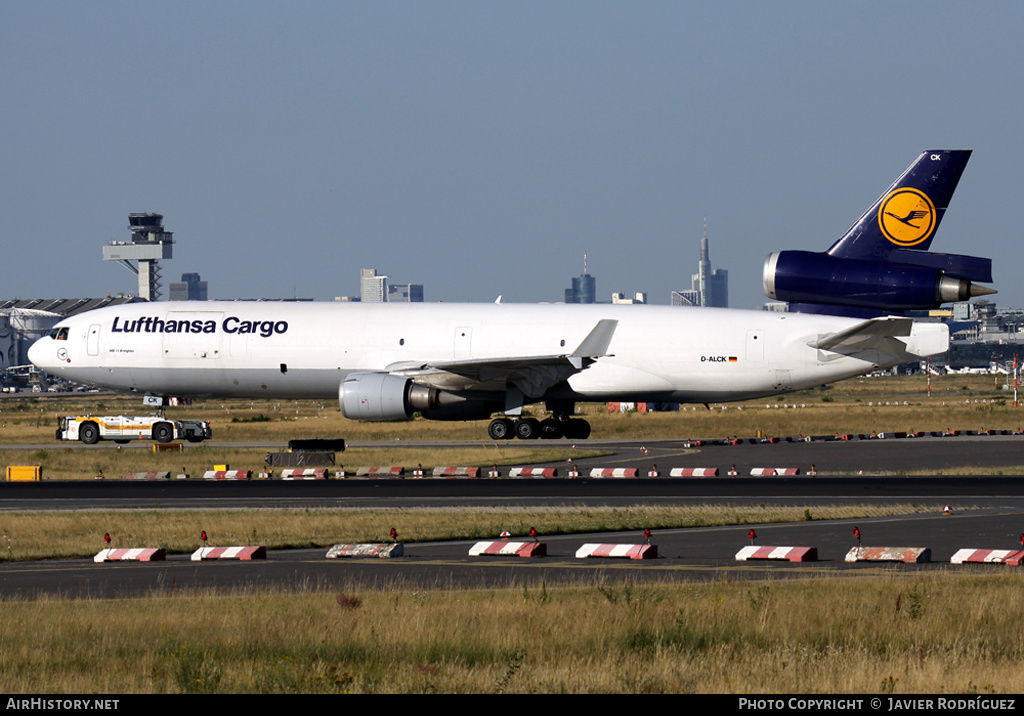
[(531, 428)]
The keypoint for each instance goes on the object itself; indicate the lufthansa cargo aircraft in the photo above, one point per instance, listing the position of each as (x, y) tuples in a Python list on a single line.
[(387, 361)]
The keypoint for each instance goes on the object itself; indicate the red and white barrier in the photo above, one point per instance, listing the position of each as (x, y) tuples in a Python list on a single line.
[(147, 476), (988, 556), (378, 472), (229, 553), (227, 475), (309, 473), (791, 554), (152, 554), (507, 549), (615, 472), (774, 471), (694, 472), (382, 550), (910, 555), (454, 472), (629, 551), (533, 472)]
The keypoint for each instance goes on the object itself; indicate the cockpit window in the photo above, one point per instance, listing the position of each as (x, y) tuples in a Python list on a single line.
[(59, 334)]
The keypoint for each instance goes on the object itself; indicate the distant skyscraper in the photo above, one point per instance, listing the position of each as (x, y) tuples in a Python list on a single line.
[(405, 293), (373, 287), (190, 288), (584, 287), (707, 287)]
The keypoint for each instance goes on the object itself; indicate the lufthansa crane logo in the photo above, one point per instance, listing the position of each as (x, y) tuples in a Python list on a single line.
[(907, 217)]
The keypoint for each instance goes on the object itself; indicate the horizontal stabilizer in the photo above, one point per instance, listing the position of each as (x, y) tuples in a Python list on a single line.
[(875, 333)]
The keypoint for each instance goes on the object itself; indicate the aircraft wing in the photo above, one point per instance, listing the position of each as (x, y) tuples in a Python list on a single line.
[(532, 375)]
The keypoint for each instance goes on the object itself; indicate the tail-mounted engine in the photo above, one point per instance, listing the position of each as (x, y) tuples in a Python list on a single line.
[(906, 280)]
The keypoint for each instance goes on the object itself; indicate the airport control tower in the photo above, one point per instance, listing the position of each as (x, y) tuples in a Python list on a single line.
[(149, 244)]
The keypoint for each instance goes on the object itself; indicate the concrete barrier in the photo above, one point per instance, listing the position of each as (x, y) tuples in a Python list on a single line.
[(383, 550), (229, 553), (150, 554), (227, 475), (506, 549), (791, 554), (910, 555), (456, 472), (386, 472), (147, 476), (694, 472), (988, 556), (307, 473), (615, 472), (629, 551), (533, 472)]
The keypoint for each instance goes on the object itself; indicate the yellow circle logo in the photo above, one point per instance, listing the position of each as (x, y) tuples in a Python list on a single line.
[(907, 217)]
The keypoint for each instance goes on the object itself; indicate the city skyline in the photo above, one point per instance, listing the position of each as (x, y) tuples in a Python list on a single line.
[(483, 146)]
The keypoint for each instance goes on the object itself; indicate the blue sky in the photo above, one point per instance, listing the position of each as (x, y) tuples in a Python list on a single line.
[(479, 148)]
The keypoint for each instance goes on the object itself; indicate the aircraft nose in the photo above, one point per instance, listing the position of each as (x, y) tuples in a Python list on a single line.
[(37, 353)]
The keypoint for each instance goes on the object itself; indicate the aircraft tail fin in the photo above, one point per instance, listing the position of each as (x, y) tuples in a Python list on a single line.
[(908, 213), (882, 264)]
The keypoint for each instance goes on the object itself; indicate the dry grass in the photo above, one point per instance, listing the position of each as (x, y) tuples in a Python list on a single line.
[(64, 534), (900, 634), (858, 405)]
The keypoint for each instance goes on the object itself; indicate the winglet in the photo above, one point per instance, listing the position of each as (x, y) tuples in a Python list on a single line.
[(595, 345)]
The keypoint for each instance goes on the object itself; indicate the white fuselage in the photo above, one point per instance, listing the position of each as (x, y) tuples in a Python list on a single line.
[(305, 350)]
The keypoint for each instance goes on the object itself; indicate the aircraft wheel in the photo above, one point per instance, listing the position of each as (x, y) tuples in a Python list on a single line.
[(500, 429), (527, 429), (577, 429), (163, 432), (89, 433), (550, 429)]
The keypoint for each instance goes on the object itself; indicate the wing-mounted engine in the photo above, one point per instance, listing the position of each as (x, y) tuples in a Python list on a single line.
[(382, 396)]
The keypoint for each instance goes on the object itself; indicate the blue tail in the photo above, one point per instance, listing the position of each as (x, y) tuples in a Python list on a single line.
[(909, 212), (882, 264)]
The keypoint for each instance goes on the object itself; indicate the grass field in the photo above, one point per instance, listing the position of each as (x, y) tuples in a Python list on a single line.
[(860, 405), (880, 632), (67, 533), (922, 634)]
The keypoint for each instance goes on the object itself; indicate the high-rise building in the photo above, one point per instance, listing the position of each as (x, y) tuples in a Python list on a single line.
[(405, 293), (373, 287), (708, 287), (584, 287), (189, 288)]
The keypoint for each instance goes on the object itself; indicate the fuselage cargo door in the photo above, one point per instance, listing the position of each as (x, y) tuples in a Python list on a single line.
[(463, 344), (192, 337), (93, 342), (755, 346)]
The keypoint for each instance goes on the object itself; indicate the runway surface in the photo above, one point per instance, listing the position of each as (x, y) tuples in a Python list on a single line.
[(988, 514)]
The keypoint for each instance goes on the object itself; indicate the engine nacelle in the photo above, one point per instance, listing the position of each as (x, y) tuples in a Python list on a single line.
[(382, 396), (809, 277)]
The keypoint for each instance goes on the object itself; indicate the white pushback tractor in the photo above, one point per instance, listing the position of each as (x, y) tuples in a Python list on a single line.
[(91, 429)]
